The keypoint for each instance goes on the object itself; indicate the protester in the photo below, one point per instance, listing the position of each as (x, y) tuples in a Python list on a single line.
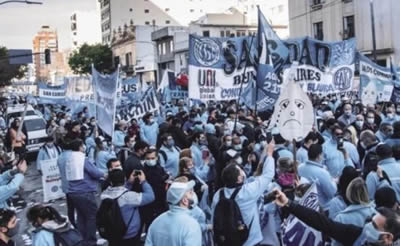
[(390, 166), (168, 155), (119, 136), (47, 152), (9, 227), (149, 130), (136, 159), (129, 202), (127, 149), (17, 138), (185, 230)]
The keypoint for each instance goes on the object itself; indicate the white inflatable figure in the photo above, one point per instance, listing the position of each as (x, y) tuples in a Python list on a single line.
[(293, 113), (369, 94)]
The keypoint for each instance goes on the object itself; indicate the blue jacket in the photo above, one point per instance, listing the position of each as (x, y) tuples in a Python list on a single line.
[(129, 203), (302, 155), (184, 232), (335, 206), (41, 237), (373, 184), (89, 183), (392, 141), (149, 133), (46, 153), (316, 173), (355, 215), (347, 120), (334, 159), (171, 165), (9, 185), (61, 162), (392, 169), (102, 158), (385, 119), (381, 137), (201, 169), (118, 139), (247, 200)]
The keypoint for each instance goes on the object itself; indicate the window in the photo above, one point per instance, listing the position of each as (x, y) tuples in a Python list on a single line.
[(382, 63), (280, 8), (34, 125), (164, 48), (206, 33), (130, 10), (222, 34), (147, 23), (240, 33), (171, 46), (159, 49), (75, 43), (146, 11), (318, 31), (167, 9), (128, 59), (167, 22), (192, 10), (348, 27), (227, 33), (316, 2), (116, 60)]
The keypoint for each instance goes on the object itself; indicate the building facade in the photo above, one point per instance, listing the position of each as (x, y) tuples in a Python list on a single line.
[(85, 28), (333, 20)]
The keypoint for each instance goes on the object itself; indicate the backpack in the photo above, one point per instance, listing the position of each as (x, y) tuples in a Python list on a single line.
[(70, 237), (229, 227), (164, 155), (109, 221)]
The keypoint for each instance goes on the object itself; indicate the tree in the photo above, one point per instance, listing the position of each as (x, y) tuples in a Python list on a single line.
[(100, 55), (7, 70)]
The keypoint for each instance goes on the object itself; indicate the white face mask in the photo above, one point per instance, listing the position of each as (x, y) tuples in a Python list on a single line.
[(151, 163), (229, 143), (360, 123), (370, 120), (239, 160)]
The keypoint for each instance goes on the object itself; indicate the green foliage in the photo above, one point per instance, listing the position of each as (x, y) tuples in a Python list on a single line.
[(100, 55), (8, 71)]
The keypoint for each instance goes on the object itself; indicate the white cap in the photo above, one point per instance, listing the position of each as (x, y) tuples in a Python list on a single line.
[(177, 190)]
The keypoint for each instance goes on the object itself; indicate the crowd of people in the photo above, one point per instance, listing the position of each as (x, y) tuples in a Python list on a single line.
[(216, 174)]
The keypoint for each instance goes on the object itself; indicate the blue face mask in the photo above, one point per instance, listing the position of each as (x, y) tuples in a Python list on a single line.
[(372, 235)]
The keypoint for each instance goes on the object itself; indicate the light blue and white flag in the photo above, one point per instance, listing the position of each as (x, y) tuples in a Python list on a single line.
[(51, 94), (396, 83), (105, 93)]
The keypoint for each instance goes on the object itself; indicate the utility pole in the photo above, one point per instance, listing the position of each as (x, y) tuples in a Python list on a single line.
[(371, 4)]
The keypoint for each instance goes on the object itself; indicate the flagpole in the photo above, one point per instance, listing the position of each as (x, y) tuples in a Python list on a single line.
[(115, 108), (241, 83)]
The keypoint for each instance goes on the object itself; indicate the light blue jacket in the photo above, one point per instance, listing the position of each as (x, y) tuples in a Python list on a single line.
[(385, 119), (149, 133), (392, 141), (316, 173), (302, 155), (41, 237), (201, 169), (334, 159), (129, 203), (46, 153), (335, 206), (355, 215), (392, 169), (171, 165), (61, 162), (102, 158), (247, 200), (118, 139), (381, 137), (9, 185), (373, 184), (184, 232)]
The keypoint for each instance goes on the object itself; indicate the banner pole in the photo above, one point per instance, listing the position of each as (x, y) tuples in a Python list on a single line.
[(241, 83), (115, 107)]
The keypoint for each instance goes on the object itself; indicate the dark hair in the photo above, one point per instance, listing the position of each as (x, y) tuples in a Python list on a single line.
[(384, 151), (5, 216), (279, 139), (45, 213), (230, 175), (311, 136), (196, 135), (117, 177), (164, 137), (14, 124), (127, 138), (348, 174), (110, 161), (385, 197), (314, 151), (75, 144), (396, 151), (392, 224), (140, 145), (151, 151)]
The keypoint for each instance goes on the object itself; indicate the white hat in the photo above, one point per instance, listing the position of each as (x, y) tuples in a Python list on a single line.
[(177, 190)]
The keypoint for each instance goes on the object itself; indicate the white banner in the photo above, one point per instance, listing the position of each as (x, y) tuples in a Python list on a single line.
[(148, 103), (74, 167), (295, 232), (51, 180), (79, 89)]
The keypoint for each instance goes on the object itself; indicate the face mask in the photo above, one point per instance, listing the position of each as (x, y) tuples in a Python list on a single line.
[(390, 115), (363, 145), (237, 147), (171, 143), (286, 179), (151, 163), (195, 201), (347, 113), (371, 234), (228, 143), (239, 160), (370, 120), (203, 142), (93, 123), (360, 123), (117, 168), (151, 121), (13, 231), (50, 145)]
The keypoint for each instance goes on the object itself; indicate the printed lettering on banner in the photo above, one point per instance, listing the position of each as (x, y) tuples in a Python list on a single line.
[(51, 180)]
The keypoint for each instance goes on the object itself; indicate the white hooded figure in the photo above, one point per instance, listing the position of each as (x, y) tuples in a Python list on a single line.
[(294, 113), (369, 94)]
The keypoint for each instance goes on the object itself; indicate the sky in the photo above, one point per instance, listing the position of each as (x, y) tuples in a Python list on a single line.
[(20, 22)]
